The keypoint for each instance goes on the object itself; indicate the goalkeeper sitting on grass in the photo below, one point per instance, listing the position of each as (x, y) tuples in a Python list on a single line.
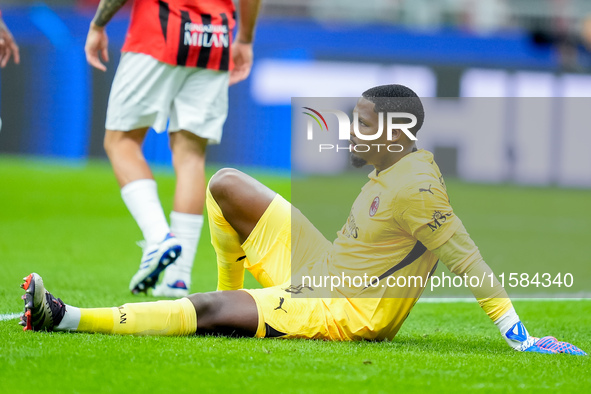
[(400, 225)]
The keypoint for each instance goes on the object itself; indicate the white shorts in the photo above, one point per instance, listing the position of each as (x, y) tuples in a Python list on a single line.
[(149, 93)]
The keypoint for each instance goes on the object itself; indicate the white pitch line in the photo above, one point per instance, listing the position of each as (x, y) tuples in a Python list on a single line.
[(514, 299), (9, 316)]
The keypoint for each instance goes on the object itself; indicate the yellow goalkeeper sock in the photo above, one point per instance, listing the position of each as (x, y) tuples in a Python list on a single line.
[(226, 243), (143, 318)]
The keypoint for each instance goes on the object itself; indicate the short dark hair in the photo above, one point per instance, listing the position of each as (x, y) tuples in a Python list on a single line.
[(397, 98)]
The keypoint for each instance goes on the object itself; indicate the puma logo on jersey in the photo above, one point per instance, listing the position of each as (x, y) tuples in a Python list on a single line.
[(426, 190), (281, 301)]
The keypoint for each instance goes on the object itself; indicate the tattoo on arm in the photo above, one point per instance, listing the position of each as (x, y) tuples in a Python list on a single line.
[(106, 10)]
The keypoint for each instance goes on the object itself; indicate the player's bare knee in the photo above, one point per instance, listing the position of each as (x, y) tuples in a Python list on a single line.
[(108, 142), (187, 152), (113, 140), (224, 182), (122, 140), (188, 160)]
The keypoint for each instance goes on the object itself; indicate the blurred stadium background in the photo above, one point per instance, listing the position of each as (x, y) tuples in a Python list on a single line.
[(53, 104), (473, 59)]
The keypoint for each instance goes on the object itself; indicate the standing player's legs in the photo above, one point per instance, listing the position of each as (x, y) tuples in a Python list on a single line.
[(186, 219), (197, 115), (188, 159), (124, 150), (138, 187), (139, 192), (140, 97)]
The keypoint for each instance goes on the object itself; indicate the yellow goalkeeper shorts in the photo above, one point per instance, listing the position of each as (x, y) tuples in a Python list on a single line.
[(284, 240)]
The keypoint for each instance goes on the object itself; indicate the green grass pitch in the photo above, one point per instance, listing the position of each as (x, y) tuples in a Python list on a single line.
[(69, 224)]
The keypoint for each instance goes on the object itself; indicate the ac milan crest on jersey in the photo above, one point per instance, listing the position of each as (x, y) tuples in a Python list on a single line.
[(374, 206)]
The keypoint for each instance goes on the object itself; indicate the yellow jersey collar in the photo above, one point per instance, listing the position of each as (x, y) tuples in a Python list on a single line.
[(374, 175)]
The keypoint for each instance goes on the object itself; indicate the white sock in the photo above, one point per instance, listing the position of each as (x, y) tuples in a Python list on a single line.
[(141, 198), (71, 319), (187, 228)]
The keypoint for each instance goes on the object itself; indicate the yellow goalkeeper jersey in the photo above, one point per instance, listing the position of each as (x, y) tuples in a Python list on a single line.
[(381, 256)]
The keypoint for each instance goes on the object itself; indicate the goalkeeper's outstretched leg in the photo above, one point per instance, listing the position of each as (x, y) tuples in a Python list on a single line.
[(230, 313)]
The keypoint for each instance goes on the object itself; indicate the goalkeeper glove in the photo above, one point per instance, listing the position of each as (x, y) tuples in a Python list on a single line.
[(518, 338)]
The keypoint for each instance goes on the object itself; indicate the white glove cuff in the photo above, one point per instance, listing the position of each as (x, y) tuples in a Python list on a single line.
[(507, 322)]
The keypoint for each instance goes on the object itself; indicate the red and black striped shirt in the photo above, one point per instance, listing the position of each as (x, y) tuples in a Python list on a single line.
[(192, 33)]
